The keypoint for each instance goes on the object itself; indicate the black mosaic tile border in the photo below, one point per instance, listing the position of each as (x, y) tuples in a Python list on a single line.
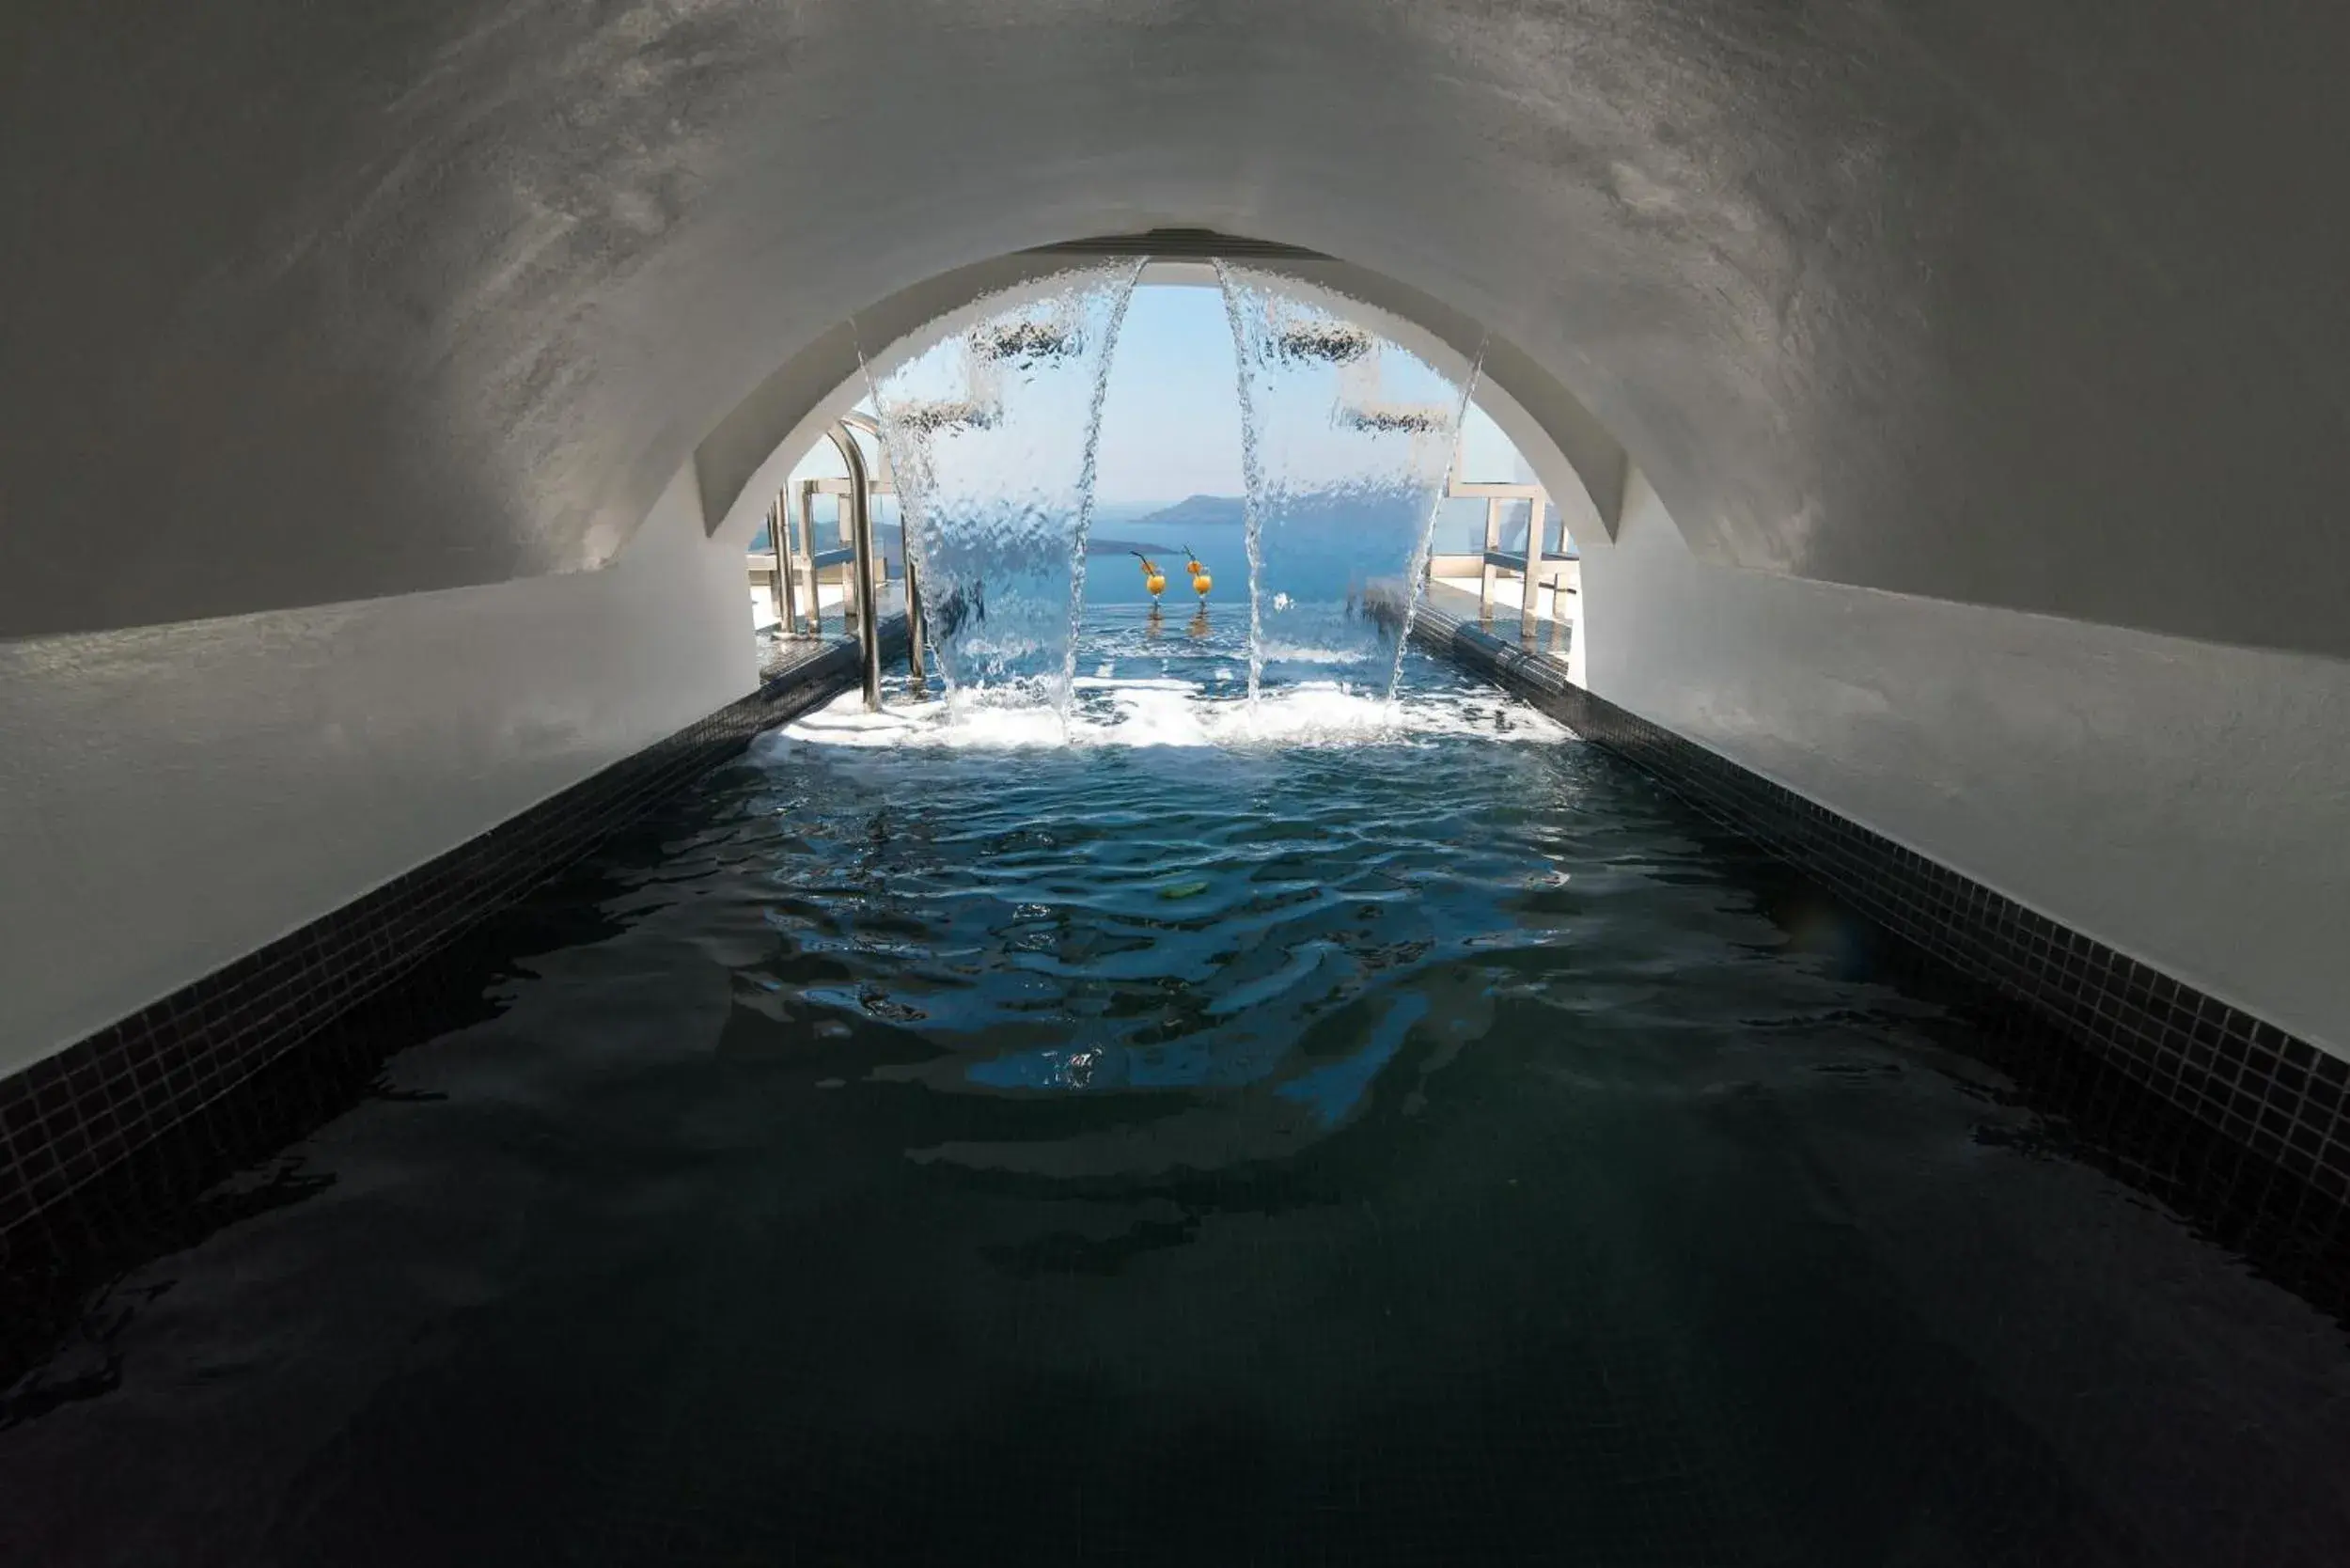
[(68, 1120), (2279, 1097)]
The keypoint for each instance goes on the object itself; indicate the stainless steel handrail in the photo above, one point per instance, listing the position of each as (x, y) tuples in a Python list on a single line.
[(861, 538), (787, 588), (913, 604), (914, 629)]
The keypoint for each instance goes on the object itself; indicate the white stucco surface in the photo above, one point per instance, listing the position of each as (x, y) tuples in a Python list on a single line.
[(2184, 802), (1992, 311), (2009, 302), (173, 797)]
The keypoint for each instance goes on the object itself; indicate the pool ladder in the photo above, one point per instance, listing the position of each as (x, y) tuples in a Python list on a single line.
[(858, 555)]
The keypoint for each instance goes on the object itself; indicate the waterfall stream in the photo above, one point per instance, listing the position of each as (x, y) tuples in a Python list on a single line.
[(991, 434), (992, 438), (1086, 477), (1416, 571), (1346, 440)]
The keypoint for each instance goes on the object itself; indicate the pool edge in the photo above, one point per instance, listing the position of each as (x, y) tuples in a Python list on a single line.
[(2281, 1098), (81, 1113)]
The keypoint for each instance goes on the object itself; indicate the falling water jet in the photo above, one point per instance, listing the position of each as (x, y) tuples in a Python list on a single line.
[(1416, 572), (993, 433), (1252, 480), (1345, 441), (1064, 698), (906, 476)]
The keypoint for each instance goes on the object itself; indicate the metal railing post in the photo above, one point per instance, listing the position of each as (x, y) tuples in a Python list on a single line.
[(887, 478), (805, 534), (861, 542), (779, 536), (1485, 562), (914, 601), (1533, 569)]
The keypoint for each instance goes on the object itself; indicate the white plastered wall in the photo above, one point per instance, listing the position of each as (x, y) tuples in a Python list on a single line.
[(2186, 802), (176, 796)]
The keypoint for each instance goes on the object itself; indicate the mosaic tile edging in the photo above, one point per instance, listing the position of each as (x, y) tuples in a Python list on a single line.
[(69, 1119), (2279, 1097)]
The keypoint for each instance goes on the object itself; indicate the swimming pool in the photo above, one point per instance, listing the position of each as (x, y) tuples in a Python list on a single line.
[(1184, 1132)]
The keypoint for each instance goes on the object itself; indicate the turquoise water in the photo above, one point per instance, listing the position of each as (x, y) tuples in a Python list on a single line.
[(1185, 1134)]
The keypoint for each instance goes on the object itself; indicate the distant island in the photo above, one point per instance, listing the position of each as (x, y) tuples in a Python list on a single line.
[(1164, 531), (1324, 513), (1331, 520), (1196, 512)]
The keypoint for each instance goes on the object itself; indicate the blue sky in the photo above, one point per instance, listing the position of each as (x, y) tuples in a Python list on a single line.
[(1171, 425)]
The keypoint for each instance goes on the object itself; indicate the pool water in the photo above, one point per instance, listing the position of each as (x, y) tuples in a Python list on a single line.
[(1185, 1133)]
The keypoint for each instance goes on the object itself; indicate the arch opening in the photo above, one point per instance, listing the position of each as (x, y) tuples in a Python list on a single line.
[(1344, 455), (752, 448)]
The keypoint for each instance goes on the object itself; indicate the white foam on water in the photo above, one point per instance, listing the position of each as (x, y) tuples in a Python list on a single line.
[(964, 721), (1159, 712), (1294, 653)]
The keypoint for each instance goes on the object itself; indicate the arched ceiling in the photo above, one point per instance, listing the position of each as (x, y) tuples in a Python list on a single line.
[(2032, 302)]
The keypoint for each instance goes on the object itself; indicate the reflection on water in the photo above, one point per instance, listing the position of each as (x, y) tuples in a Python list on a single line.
[(1168, 932), (1188, 1136)]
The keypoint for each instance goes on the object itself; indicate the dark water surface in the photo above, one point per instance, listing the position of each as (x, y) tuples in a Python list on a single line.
[(934, 1144)]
